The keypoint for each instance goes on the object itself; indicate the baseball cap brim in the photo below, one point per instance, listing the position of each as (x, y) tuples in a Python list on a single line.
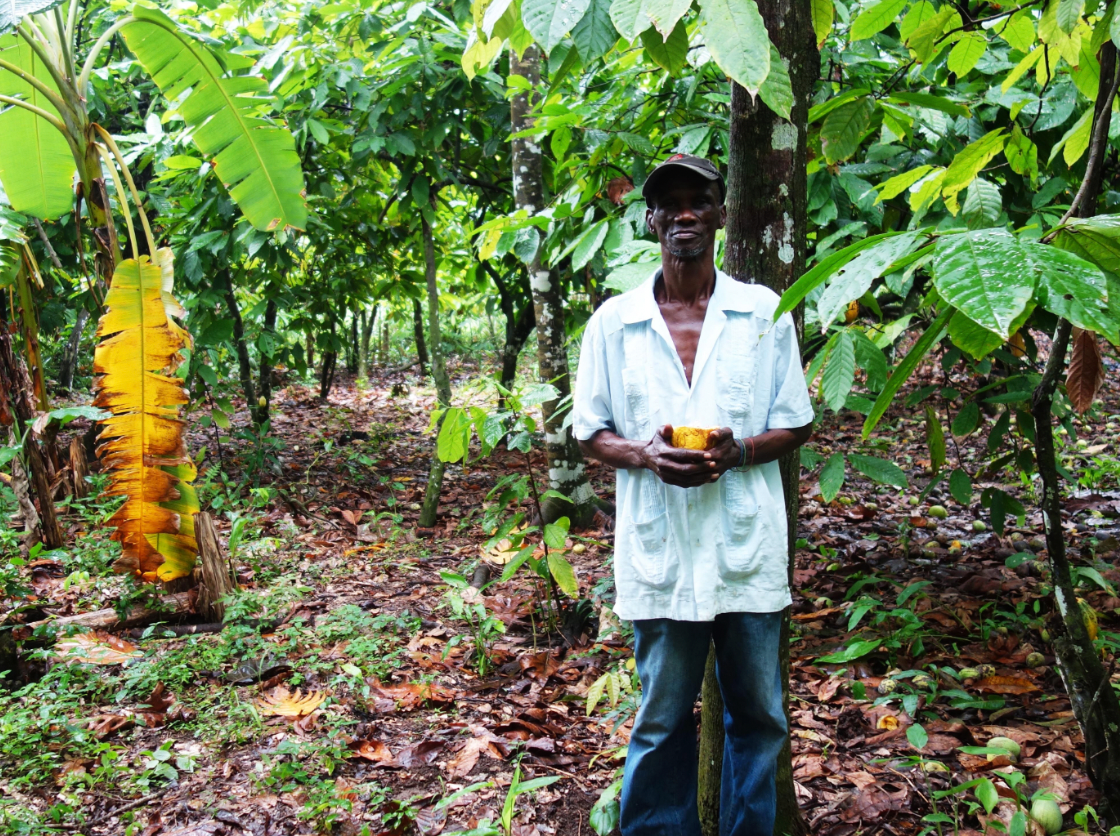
[(658, 175)]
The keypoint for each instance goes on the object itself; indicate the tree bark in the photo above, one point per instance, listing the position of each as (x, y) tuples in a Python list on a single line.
[(367, 325), (244, 366), (70, 357), (1094, 702), (567, 471), (766, 228), (519, 325), (418, 335), (430, 506), (352, 345), (264, 372), (18, 411)]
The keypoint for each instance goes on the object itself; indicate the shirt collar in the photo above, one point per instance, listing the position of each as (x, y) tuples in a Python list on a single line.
[(727, 297)]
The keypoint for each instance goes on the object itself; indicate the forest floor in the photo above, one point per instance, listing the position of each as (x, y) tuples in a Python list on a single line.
[(343, 599)]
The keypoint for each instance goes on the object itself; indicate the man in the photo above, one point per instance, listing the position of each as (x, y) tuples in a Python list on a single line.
[(700, 547)]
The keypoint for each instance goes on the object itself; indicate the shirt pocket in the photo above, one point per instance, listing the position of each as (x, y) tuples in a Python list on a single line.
[(651, 557), (745, 527), (636, 392), (736, 373)]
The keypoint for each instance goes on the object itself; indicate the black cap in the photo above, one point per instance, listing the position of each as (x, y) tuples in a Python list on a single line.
[(683, 161)]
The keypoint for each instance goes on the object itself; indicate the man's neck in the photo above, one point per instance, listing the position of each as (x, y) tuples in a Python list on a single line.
[(686, 281)]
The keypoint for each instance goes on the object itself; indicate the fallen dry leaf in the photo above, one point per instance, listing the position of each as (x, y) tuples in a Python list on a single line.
[(280, 702), (96, 648), (1006, 685)]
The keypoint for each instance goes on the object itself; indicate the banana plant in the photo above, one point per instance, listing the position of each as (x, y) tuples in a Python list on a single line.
[(53, 159)]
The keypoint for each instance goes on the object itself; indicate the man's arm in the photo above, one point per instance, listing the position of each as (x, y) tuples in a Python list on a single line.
[(690, 468)]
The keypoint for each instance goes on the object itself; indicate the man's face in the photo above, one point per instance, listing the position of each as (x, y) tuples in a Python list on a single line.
[(686, 213)]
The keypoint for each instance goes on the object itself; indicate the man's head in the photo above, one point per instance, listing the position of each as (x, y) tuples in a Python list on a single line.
[(685, 206)]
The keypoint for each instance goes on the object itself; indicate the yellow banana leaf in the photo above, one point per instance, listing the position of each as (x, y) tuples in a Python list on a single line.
[(141, 443)]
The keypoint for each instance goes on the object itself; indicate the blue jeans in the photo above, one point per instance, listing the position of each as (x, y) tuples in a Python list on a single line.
[(659, 783)]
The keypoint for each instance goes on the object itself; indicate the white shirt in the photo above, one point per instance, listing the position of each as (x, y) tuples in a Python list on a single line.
[(690, 554)]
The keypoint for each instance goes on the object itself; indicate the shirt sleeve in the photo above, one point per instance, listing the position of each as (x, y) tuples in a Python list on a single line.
[(591, 404), (790, 406)]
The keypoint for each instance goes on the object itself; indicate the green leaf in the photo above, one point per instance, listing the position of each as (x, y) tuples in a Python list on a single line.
[(628, 18), (629, 276), (549, 21), (319, 131), (854, 279), (589, 244), (982, 204), (1069, 13), (665, 13), (735, 34), (987, 275), (605, 811), (987, 795), (826, 107), (68, 413), (926, 41), (968, 163), (825, 268), (832, 477), (844, 128), (36, 165), (879, 470), (976, 340), (935, 440), (839, 372), (823, 12), (855, 650), (960, 486), (777, 90), (902, 372), (933, 102), (876, 18), (594, 35), (901, 182), (1094, 239), (870, 358), (454, 435), (670, 54), (966, 53), (1073, 288), (919, 13), (1019, 30), (556, 534), (563, 574), (255, 158), (917, 736), (967, 420), (13, 11)]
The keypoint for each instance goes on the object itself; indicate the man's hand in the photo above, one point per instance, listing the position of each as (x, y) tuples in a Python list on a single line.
[(689, 468)]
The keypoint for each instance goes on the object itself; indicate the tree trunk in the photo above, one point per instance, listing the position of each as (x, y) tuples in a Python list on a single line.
[(567, 471), (367, 325), (766, 228), (70, 358), (430, 505), (264, 372), (310, 346), (1094, 702), (244, 366), (326, 374), (352, 345), (18, 411), (418, 335), (385, 336)]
